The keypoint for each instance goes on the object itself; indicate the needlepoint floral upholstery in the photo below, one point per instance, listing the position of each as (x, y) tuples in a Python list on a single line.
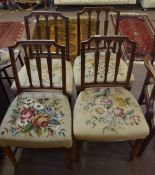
[(41, 120), (56, 75), (90, 67), (108, 114)]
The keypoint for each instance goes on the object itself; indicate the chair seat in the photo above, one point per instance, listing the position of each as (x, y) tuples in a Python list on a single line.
[(37, 120), (108, 114), (89, 69), (56, 71)]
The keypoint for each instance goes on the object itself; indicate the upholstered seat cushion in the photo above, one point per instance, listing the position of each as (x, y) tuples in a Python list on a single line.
[(108, 114), (37, 119), (56, 74), (89, 69)]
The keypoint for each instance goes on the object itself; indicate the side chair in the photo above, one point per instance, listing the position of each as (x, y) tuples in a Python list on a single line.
[(40, 116), (149, 99), (47, 25), (105, 110), (97, 23)]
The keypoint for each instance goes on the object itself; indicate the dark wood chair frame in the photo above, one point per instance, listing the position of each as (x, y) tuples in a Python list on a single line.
[(108, 47), (141, 99), (46, 14), (148, 99), (97, 10), (38, 55), (5, 76)]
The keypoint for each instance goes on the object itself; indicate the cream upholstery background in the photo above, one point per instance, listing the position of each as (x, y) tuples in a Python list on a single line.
[(147, 3)]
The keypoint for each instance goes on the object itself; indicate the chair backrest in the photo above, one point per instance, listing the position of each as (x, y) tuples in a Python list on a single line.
[(48, 25), (105, 44), (149, 93), (94, 17), (39, 55)]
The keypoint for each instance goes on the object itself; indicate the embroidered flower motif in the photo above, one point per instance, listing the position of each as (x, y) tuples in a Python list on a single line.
[(22, 123), (27, 114), (41, 120), (112, 108), (107, 102), (119, 112), (99, 110), (38, 106), (28, 101), (85, 96), (121, 101), (135, 120)]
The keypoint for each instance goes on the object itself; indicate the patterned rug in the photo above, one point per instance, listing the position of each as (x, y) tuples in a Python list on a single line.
[(138, 28), (10, 32), (72, 33)]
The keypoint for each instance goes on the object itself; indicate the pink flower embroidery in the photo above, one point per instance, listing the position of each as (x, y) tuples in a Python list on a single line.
[(107, 102), (27, 114), (119, 112)]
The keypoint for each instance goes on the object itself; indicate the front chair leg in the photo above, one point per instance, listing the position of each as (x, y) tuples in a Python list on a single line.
[(135, 149), (69, 157), (10, 154)]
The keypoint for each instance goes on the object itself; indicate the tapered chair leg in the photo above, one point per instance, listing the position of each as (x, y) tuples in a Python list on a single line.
[(78, 150), (69, 157), (135, 150), (4, 89), (10, 154), (7, 77), (146, 143), (141, 97)]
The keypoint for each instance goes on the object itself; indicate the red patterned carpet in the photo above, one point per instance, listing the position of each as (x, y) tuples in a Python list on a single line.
[(138, 28), (10, 32)]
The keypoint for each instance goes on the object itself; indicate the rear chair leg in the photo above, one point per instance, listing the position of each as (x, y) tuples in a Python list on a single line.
[(10, 154), (78, 150), (146, 143), (69, 157), (136, 149)]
